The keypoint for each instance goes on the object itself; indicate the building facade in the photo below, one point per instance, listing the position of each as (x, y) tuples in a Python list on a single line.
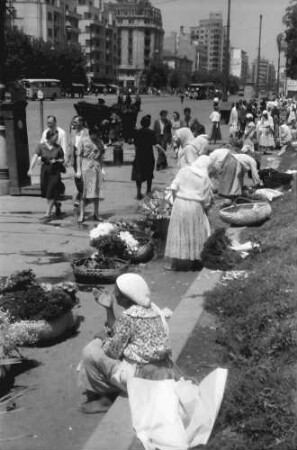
[(210, 35), (85, 22), (180, 45), (266, 80), (140, 39), (239, 64)]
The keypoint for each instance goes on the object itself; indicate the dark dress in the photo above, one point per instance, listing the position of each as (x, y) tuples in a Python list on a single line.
[(144, 162), (50, 175)]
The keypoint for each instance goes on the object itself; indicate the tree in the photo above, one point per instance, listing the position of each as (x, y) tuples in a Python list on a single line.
[(290, 21), (28, 57), (157, 75)]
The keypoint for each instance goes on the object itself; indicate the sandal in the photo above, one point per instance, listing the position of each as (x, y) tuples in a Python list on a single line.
[(80, 220)]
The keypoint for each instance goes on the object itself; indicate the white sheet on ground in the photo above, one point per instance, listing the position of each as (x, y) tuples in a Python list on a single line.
[(175, 415)]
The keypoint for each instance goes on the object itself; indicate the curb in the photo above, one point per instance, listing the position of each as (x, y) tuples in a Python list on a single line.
[(115, 431)]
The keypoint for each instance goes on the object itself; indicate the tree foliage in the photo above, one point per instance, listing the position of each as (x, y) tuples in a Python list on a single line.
[(290, 21), (157, 75), (28, 57)]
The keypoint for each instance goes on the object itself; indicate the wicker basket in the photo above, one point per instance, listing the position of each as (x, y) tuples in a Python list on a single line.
[(144, 254), (85, 275), (246, 214)]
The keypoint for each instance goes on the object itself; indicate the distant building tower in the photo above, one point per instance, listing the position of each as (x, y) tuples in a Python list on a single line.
[(267, 76), (180, 45), (140, 39), (210, 37), (239, 64)]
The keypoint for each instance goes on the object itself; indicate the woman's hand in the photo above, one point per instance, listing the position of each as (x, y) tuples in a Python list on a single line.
[(29, 173), (103, 298), (78, 174)]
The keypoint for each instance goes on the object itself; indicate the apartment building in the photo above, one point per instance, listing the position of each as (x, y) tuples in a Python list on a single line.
[(140, 39), (239, 64), (85, 22), (267, 75), (210, 35)]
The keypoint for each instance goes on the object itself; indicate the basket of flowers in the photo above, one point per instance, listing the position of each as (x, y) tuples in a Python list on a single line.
[(39, 312), (98, 269), (158, 211), (246, 214)]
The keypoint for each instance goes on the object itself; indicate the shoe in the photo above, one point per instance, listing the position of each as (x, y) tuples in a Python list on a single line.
[(45, 219), (96, 406), (139, 197), (58, 209), (80, 220), (76, 204), (96, 218)]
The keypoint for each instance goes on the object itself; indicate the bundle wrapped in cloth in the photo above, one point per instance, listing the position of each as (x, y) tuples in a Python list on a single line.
[(175, 415)]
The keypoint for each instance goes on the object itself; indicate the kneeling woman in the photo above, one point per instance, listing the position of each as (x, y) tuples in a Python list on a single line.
[(189, 227), (136, 344)]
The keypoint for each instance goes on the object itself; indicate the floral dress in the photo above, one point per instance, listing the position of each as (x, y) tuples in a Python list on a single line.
[(91, 166)]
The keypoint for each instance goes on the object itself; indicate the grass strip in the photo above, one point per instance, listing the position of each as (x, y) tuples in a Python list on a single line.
[(257, 336)]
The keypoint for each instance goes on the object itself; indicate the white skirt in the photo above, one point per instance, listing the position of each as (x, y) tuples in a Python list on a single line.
[(188, 230)]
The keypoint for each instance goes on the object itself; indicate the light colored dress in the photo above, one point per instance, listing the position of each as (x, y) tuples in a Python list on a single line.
[(189, 227), (265, 133), (91, 167)]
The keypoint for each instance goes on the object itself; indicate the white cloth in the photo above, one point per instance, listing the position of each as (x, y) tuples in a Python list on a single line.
[(248, 164), (175, 415), (62, 138), (215, 116)]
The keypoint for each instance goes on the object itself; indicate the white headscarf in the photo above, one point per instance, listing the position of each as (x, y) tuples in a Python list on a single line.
[(136, 289), (201, 165), (185, 136), (200, 143)]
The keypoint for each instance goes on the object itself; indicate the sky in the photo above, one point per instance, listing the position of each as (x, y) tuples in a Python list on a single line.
[(244, 21)]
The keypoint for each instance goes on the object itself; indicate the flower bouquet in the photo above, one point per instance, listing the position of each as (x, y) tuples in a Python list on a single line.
[(158, 212), (36, 309)]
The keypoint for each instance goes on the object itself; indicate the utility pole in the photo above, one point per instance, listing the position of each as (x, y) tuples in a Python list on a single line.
[(259, 56), (227, 63), (2, 42)]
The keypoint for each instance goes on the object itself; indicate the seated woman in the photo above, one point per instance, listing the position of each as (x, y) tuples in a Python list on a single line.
[(189, 227), (135, 344)]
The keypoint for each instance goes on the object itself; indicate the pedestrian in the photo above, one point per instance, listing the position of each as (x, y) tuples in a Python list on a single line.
[(51, 122), (128, 100), (197, 128), (248, 165), (144, 161), (89, 169), (250, 132), (215, 118), (233, 123), (52, 165), (175, 122), (187, 120), (189, 227), (162, 130), (135, 344), (265, 130), (182, 97)]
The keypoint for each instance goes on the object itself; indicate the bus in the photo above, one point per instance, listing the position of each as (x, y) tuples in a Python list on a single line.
[(201, 91), (50, 88)]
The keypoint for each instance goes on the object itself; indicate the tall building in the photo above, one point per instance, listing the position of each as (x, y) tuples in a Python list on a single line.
[(140, 38), (180, 45), (51, 20), (85, 22), (98, 39), (267, 76), (210, 34), (239, 64)]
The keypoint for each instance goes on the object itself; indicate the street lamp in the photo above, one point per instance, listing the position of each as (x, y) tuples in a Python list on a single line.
[(280, 40), (227, 64)]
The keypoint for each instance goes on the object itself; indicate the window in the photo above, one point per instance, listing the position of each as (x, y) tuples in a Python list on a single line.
[(50, 32), (49, 16)]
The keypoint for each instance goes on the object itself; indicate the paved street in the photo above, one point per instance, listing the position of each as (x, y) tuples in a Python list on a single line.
[(47, 418)]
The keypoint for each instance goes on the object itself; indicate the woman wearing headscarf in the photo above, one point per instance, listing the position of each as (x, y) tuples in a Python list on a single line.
[(225, 169), (135, 344), (189, 227), (250, 132), (186, 153), (265, 130)]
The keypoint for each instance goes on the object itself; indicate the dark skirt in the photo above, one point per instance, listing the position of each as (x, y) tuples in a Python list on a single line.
[(50, 182), (215, 132)]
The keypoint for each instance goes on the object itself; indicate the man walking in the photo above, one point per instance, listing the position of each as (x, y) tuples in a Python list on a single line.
[(62, 136)]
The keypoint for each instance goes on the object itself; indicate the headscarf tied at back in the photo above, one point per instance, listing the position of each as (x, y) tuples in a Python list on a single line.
[(201, 165), (136, 289), (200, 143), (185, 136)]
